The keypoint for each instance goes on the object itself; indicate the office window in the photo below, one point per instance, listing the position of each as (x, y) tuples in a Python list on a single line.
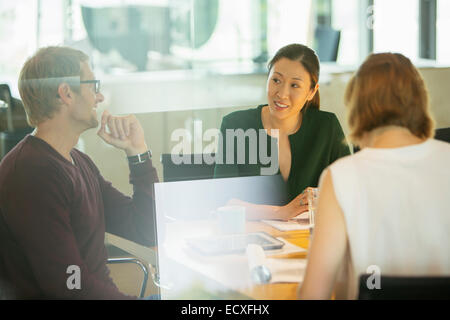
[(219, 32), (288, 21), (396, 27), (323, 11), (345, 19), (18, 26), (51, 22), (443, 26), (146, 35)]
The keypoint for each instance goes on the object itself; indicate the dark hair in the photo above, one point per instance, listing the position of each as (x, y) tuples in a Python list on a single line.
[(308, 58)]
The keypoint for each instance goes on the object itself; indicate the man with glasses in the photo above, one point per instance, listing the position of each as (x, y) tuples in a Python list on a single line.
[(54, 204)]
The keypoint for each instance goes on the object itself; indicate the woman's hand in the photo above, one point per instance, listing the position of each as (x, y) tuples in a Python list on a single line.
[(295, 207), (286, 212), (126, 133)]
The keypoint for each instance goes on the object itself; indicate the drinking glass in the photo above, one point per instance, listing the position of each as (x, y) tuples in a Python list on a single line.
[(312, 195)]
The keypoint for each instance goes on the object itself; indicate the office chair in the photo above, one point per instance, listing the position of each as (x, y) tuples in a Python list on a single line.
[(13, 121), (327, 43), (137, 262), (189, 170), (443, 134), (121, 250), (406, 288)]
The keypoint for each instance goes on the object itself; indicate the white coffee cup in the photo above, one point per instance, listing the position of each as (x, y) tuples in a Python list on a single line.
[(230, 219)]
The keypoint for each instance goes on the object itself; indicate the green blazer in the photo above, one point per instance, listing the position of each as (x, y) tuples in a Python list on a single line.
[(318, 143)]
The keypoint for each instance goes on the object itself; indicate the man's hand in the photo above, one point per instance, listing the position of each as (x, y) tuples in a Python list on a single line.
[(126, 133)]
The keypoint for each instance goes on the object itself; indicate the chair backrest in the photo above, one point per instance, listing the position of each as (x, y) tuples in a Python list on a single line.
[(13, 121), (443, 134), (409, 288), (355, 148), (192, 168), (327, 43)]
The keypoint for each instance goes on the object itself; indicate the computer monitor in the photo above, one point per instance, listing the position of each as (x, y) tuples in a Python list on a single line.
[(327, 43)]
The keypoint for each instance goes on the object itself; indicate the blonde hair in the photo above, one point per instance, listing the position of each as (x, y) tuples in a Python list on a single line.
[(41, 76), (387, 90)]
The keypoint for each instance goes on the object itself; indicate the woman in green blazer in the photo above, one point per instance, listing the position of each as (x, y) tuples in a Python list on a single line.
[(307, 139)]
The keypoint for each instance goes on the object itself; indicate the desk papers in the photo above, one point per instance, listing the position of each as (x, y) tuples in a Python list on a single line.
[(286, 270), (300, 222), (291, 225)]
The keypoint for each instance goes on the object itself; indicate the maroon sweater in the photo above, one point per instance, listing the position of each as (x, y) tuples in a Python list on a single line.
[(54, 214)]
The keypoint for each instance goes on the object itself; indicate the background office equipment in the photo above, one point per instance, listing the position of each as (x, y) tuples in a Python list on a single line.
[(193, 169), (13, 121), (326, 43), (443, 134)]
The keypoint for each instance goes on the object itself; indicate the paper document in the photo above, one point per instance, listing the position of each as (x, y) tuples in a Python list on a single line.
[(291, 225), (302, 216), (286, 270)]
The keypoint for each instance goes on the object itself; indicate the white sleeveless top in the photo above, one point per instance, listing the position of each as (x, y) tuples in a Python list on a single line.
[(396, 204)]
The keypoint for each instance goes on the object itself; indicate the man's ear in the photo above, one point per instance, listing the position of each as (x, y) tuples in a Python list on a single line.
[(65, 93)]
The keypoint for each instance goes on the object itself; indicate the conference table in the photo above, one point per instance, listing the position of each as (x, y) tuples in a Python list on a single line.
[(279, 291), (193, 277)]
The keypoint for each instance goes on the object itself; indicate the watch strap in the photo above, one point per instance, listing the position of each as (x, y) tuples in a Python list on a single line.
[(140, 158)]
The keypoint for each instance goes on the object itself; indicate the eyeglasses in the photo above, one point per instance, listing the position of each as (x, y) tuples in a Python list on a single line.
[(95, 82)]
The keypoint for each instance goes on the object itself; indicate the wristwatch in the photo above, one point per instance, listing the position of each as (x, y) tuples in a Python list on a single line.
[(140, 158)]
